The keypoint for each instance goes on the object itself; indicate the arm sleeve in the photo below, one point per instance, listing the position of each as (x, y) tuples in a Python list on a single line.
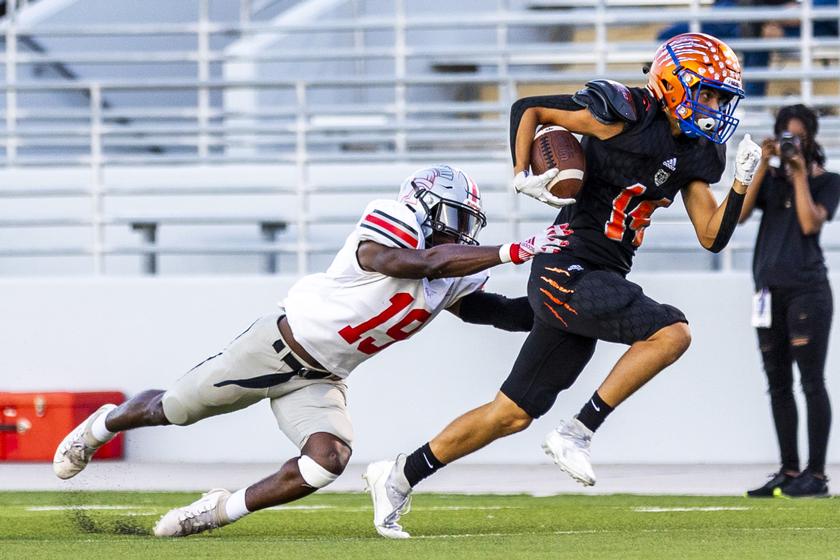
[(731, 213), (390, 223), (829, 195), (482, 308)]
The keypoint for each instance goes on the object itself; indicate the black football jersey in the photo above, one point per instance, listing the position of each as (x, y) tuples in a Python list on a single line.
[(628, 177)]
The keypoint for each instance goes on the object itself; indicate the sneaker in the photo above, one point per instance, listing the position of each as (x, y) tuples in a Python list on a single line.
[(568, 446), (806, 485), (777, 480), (204, 514), (391, 496), (76, 449)]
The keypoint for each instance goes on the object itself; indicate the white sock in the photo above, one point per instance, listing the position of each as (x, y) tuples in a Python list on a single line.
[(98, 430), (235, 507)]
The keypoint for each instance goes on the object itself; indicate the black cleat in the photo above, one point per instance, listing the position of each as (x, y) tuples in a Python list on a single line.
[(806, 485), (778, 480)]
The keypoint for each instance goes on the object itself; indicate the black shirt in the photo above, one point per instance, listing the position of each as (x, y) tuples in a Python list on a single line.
[(628, 177), (784, 256)]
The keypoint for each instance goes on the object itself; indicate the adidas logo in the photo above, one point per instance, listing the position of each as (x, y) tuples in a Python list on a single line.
[(670, 163)]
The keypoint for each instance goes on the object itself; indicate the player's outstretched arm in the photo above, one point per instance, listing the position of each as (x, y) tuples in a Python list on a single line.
[(453, 260), (486, 308), (713, 223)]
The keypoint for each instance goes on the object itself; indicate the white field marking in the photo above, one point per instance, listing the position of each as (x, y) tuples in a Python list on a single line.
[(700, 508), (615, 531), (91, 507), (284, 507), (468, 535), (458, 508), (370, 508)]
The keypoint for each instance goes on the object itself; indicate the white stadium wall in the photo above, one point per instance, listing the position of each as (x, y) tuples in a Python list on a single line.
[(132, 334)]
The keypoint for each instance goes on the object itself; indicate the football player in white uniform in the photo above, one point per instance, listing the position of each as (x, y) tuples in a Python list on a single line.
[(405, 262)]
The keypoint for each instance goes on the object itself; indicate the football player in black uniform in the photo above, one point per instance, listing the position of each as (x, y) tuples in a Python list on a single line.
[(643, 146)]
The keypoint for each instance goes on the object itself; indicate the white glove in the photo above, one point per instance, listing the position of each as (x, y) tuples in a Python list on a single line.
[(746, 160), (549, 241), (536, 186)]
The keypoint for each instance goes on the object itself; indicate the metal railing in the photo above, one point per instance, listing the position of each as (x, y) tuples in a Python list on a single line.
[(306, 128)]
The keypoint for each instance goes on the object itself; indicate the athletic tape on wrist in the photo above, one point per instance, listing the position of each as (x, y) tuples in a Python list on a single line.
[(314, 474), (504, 253), (509, 252)]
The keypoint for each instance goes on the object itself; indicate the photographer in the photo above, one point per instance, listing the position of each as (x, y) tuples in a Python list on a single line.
[(793, 302)]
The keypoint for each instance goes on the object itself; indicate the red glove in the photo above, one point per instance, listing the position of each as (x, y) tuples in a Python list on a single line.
[(549, 241)]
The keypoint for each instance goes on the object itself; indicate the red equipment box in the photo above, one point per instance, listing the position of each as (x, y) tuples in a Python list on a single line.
[(33, 424)]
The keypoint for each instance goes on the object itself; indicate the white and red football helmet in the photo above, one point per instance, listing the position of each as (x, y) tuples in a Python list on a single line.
[(446, 200)]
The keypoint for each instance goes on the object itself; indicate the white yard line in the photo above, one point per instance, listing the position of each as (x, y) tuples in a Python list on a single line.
[(88, 507), (302, 507), (608, 531), (654, 509), (313, 507)]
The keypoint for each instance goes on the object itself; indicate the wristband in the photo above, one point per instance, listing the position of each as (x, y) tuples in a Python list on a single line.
[(509, 252)]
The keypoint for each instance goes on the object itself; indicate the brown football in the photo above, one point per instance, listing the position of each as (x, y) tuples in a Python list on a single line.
[(554, 146)]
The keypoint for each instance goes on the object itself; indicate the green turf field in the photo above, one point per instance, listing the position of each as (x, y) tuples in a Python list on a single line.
[(52, 525)]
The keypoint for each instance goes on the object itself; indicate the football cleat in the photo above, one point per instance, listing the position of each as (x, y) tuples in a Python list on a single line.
[(391, 496), (204, 514), (568, 446), (76, 449)]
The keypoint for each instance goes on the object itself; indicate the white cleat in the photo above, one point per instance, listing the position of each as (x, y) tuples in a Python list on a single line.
[(204, 514), (76, 449), (568, 446), (389, 500)]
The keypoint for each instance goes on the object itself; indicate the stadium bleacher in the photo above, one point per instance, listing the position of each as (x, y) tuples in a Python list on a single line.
[(145, 108)]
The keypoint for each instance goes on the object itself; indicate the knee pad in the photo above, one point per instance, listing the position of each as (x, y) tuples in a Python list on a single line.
[(174, 410), (314, 474)]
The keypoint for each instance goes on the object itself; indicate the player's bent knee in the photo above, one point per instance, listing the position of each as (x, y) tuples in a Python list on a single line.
[(314, 474), (508, 416), (517, 424), (675, 340), (682, 337)]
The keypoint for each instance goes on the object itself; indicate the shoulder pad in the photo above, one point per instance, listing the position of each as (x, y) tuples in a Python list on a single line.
[(392, 224), (608, 101)]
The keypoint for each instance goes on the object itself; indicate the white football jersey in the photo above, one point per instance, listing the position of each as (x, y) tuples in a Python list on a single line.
[(345, 315)]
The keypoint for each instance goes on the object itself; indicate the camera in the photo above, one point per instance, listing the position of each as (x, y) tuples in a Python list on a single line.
[(788, 145)]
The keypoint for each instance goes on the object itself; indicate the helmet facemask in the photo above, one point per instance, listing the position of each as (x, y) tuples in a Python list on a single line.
[(461, 222), (699, 120)]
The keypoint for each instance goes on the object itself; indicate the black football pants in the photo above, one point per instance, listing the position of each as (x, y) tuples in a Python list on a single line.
[(799, 332), (576, 304)]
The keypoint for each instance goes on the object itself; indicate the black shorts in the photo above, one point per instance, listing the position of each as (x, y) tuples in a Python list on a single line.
[(576, 304)]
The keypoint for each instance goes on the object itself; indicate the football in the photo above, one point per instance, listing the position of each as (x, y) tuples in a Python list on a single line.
[(554, 146)]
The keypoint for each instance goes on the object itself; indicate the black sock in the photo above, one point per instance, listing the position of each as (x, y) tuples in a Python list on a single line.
[(594, 412), (421, 464)]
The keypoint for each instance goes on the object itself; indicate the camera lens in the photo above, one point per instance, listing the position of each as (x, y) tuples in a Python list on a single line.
[(788, 145)]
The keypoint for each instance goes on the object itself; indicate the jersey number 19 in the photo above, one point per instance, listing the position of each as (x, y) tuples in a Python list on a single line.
[(399, 302)]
